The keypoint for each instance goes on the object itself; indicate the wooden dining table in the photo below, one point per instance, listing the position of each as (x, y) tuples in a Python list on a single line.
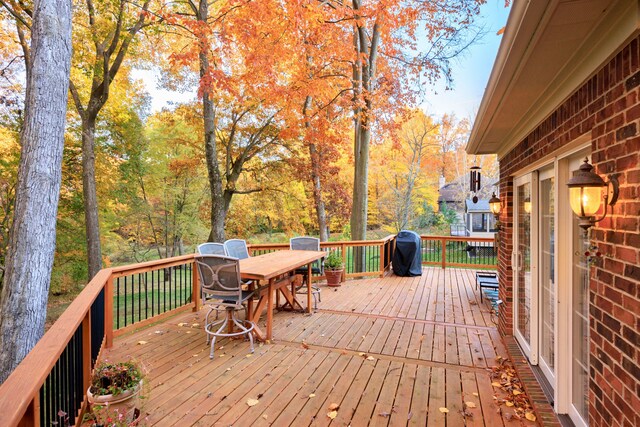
[(275, 272)]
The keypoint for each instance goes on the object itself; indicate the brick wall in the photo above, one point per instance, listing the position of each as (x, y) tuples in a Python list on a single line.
[(606, 107)]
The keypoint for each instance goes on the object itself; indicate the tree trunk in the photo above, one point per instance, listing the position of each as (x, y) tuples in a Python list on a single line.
[(316, 164), (317, 192), (218, 212), (360, 182), (90, 197), (25, 290)]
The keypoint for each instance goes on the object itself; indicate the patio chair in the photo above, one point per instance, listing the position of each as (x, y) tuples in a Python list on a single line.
[(220, 281), (308, 244), (210, 248), (236, 248), (486, 280)]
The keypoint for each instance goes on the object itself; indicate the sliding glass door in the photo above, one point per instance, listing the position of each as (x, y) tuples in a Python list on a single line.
[(525, 330), (547, 281)]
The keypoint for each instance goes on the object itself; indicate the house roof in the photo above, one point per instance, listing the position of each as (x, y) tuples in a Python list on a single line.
[(458, 190), (480, 206), (549, 48)]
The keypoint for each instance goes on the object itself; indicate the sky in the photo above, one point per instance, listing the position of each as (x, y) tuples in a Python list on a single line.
[(470, 73)]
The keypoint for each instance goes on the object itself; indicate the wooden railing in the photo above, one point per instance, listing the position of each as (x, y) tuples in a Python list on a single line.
[(453, 251), (361, 258), (55, 374)]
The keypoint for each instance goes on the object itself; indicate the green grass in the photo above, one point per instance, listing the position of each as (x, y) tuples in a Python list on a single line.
[(161, 294)]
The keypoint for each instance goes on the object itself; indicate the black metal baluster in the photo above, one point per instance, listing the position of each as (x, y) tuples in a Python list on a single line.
[(146, 295), (118, 303), (124, 308), (152, 292), (139, 301), (43, 403), (164, 290)]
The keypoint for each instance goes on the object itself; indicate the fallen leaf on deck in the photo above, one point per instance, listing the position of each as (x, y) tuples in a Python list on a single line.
[(333, 406), (312, 395), (142, 342), (371, 358), (228, 369), (264, 416), (249, 355), (384, 414), (530, 416), (195, 325), (516, 392), (411, 289), (508, 403), (472, 302), (332, 414), (475, 394), (409, 415), (362, 354), (188, 332), (444, 410), (182, 324), (305, 345), (495, 384), (159, 332), (470, 404), (252, 402)]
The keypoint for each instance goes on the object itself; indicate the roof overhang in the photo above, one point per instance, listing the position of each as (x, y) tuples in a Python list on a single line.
[(549, 49)]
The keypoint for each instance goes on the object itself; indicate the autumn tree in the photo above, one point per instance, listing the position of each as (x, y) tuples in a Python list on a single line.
[(245, 74), (104, 32), (406, 166), (397, 46), (25, 289)]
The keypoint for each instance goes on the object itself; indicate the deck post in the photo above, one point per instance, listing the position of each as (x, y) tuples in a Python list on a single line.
[(86, 351), (195, 285), (382, 260), (108, 312), (343, 248)]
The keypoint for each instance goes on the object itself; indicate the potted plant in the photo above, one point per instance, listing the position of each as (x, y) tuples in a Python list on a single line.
[(114, 393), (333, 269)]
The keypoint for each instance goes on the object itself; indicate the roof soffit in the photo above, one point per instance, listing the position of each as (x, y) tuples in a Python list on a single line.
[(552, 48)]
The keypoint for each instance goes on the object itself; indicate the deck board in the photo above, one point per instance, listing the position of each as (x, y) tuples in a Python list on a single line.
[(389, 351)]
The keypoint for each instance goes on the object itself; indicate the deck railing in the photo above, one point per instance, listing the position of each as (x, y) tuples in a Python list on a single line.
[(453, 251), (56, 373), (361, 258)]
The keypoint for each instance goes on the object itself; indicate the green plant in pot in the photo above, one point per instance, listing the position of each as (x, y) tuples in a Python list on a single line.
[(333, 268), (115, 393)]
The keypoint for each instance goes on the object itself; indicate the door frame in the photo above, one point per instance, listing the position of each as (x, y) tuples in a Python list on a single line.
[(530, 349)]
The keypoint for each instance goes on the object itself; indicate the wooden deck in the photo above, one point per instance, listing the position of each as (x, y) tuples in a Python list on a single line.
[(390, 351)]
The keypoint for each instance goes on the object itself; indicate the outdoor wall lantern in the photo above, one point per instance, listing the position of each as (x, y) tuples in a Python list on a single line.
[(495, 205), (527, 205), (585, 194)]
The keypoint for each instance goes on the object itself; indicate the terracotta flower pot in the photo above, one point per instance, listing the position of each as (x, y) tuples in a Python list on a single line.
[(333, 277), (116, 408)]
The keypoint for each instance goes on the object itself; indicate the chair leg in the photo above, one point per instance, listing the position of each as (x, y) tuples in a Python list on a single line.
[(215, 335)]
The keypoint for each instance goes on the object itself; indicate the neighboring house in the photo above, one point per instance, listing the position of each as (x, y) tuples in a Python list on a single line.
[(478, 218), (454, 196), (565, 85)]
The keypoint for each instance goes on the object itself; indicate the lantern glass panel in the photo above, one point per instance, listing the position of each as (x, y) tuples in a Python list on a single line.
[(585, 201)]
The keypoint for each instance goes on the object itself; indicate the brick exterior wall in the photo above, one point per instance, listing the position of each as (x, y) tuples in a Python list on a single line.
[(607, 107)]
